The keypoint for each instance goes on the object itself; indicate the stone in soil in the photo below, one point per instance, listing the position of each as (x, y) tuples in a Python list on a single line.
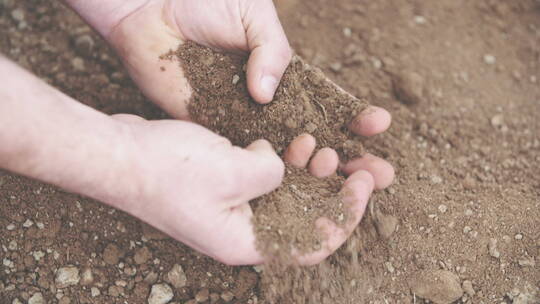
[(67, 276), (37, 298), (160, 294), (112, 254), (202, 295), (87, 277), (439, 286), (142, 255), (408, 87), (176, 277), (385, 224)]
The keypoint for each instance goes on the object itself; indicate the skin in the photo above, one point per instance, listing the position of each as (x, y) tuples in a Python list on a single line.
[(175, 175)]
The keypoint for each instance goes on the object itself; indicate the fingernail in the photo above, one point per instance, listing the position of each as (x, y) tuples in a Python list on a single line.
[(269, 85)]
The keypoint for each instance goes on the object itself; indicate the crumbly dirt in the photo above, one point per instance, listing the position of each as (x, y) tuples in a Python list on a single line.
[(464, 141), (305, 102)]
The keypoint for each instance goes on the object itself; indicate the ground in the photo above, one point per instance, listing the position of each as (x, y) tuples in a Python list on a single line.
[(462, 80)]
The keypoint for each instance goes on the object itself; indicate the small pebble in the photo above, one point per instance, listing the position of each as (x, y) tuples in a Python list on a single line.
[(111, 254), (160, 294), (78, 65), (336, 67), (518, 236), (84, 44), (10, 227), (527, 262), (235, 79), (443, 208), (176, 277), (385, 224), (94, 292), (67, 276), (142, 255), (408, 87), (468, 212), (440, 286), (492, 247), (17, 15), (38, 255), (420, 19), (389, 267), (202, 296), (37, 298), (12, 245), (497, 120), (467, 229), (347, 32), (489, 59), (28, 224)]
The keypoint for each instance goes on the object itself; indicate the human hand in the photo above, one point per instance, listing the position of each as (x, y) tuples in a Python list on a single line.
[(195, 186)]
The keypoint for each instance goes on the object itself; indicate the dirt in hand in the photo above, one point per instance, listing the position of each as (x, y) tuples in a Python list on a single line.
[(305, 102)]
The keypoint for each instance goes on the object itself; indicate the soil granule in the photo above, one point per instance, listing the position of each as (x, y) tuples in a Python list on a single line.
[(305, 102)]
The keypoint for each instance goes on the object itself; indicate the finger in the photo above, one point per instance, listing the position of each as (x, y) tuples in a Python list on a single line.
[(371, 121), (380, 169), (237, 243), (357, 190), (324, 163), (127, 118), (300, 150), (258, 170), (270, 49)]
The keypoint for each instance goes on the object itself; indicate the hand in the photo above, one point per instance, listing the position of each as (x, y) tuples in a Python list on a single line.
[(195, 186)]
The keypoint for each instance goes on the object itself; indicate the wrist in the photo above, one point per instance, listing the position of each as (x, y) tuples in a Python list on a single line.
[(105, 15)]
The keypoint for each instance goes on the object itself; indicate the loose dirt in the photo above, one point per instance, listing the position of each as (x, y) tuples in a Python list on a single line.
[(305, 102), (464, 141)]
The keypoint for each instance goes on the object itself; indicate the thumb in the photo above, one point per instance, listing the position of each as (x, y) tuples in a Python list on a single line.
[(260, 170), (269, 47)]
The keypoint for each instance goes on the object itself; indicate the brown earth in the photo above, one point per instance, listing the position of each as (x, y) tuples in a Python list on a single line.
[(461, 80)]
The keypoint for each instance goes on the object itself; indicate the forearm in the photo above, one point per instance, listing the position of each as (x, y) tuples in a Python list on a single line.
[(46, 135), (104, 15)]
